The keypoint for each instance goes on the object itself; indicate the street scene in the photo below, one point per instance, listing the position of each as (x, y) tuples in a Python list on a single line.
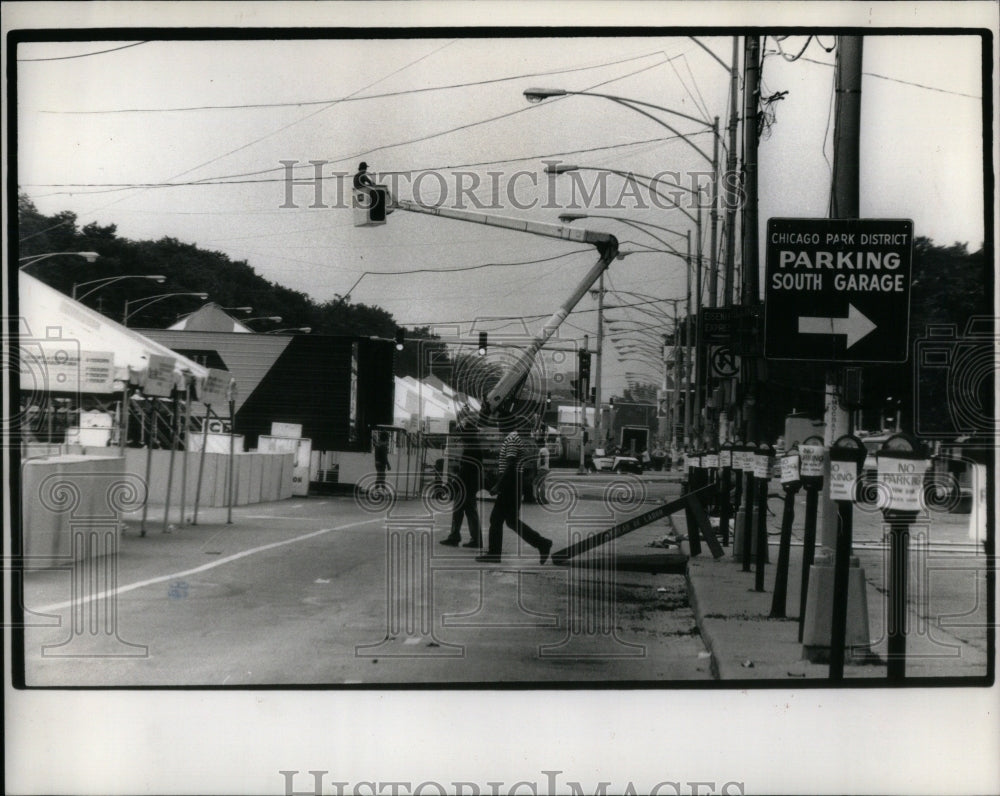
[(661, 362)]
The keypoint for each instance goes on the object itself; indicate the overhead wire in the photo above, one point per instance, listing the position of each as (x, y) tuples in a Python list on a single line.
[(364, 97)]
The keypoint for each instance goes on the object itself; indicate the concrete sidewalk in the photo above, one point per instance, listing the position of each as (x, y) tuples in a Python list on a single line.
[(946, 639)]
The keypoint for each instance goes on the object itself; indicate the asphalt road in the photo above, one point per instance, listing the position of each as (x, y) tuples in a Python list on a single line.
[(323, 592)]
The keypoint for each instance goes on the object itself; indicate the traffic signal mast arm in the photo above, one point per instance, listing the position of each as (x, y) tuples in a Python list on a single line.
[(606, 245)]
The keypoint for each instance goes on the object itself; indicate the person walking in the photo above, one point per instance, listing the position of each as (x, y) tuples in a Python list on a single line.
[(515, 450), (470, 479)]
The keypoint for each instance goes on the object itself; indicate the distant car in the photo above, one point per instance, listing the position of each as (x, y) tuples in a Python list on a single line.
[(616, 463)]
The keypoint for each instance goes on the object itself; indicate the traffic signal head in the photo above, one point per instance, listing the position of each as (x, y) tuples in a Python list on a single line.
[(482, 344), (400, 338)]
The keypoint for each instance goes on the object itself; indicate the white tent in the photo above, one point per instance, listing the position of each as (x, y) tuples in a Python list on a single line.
[(66, 346)]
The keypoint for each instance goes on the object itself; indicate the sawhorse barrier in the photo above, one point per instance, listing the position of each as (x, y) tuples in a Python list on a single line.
[(698, 523)]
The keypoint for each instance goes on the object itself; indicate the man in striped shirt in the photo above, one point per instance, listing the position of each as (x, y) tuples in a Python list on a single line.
[(515, 452)]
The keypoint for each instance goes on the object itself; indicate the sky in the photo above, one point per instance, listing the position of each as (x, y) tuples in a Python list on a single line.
[(194, 140)]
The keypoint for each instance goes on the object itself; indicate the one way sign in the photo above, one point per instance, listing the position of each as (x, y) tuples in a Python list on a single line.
[(838, 290)]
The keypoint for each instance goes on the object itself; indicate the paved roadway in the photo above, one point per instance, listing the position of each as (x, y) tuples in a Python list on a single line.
[(298, 592)]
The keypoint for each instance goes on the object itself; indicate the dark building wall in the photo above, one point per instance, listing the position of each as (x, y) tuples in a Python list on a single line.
[(310, 384)]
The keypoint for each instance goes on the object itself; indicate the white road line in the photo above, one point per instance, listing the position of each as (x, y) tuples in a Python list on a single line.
[(211, 565)]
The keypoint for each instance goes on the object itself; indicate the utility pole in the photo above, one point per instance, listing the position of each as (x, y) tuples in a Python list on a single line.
[(844, 203), (713, 276), (598, 424), (730, 187), (750, 288), (687, 352)]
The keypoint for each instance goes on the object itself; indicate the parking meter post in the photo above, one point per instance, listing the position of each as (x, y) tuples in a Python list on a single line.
[(899, 564), (748, 491), (201, 463), (791, 482), (847, 456), (780, 598), (693, 484), (902, 464), (725, 510), (842, 561), (763, 467), (174, 424)]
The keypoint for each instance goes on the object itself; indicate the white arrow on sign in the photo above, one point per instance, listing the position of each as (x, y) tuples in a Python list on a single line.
[(856, 325)]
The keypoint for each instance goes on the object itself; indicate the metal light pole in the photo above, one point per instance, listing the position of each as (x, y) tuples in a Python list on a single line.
[(150, 300), (100, 283), (31, 259)]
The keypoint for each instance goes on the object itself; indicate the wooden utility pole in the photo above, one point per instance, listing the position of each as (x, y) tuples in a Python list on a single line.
[(730, 186), (751, 287)]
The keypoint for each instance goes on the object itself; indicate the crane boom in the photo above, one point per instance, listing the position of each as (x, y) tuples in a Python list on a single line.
[(606, 245)]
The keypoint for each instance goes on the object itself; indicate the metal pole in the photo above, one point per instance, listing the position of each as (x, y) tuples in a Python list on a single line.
[(598, 425), (123, 424), (232, 457), (150, 436), (748, 520), (699, 376), (808, 550), (676, 415), (762, 484), (186, 426), (780, 598), (201, 464), (687, 352), (841, 569), (724, 507), (174, 423), (899, 562)]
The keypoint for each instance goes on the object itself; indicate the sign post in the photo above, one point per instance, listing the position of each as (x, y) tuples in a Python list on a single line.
[(902, 463), (746, 462), (847, 455), (791, 481), (811, 456), (838, 290)]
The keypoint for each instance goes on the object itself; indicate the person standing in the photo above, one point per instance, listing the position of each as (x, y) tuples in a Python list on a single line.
[(543, 471), (515, 450), (470, 478), (381, 459)]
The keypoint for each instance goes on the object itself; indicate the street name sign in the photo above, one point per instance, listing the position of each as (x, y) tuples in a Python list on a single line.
[(838, 290)]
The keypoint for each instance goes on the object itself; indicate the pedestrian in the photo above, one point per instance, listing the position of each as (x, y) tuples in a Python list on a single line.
[(543, 471), (470, 478), (381, 459), (515, 451)]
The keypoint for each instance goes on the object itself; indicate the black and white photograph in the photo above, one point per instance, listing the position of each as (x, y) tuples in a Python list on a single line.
[(500, 398)]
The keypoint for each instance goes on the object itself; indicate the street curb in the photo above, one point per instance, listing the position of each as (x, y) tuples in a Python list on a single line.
[(699, 621)]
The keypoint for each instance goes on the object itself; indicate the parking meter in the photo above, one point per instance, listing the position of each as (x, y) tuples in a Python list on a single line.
[(847, 456)]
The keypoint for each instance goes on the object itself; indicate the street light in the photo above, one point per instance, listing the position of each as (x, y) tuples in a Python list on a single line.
[(99, 283), (539, 94), (24, 262), (292, 330), (237, 309), (149, 300), (275, 318), (648, 182)]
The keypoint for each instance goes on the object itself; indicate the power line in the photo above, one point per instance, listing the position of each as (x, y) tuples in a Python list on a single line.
[(353, 98)]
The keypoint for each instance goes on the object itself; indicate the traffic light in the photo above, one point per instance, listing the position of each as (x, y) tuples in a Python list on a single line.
[(548, 400), (482, 344), (585, 366), (400, 338)]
